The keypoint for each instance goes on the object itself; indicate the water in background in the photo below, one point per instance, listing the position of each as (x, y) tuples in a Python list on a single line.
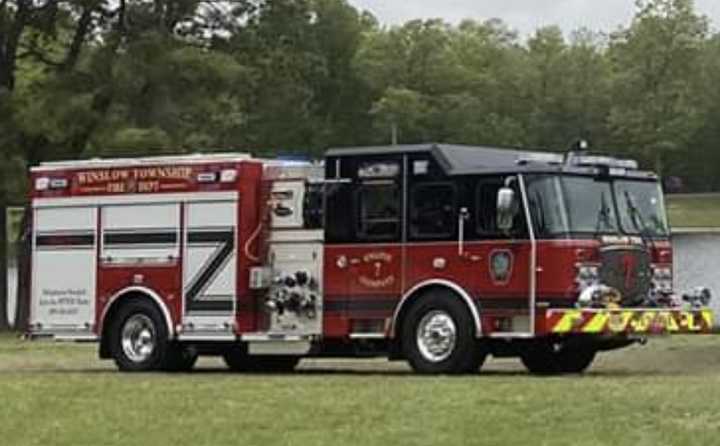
[(696, 260), (697, 263)]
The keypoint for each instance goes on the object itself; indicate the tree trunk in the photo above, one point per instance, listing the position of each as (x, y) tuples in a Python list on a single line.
[(4, 324), (24, 255)]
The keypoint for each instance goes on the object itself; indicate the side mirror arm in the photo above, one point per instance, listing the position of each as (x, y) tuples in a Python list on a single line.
[(463, 216)]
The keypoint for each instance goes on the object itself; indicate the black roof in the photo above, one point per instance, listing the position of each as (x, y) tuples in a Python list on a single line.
[(468, 160)]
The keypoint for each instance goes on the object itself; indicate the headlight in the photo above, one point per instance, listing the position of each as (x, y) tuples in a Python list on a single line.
[(699, 297), (662, 273), (587, 275), (662, 279)]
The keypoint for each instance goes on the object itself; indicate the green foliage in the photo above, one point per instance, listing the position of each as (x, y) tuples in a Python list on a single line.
[(400, 108), (655, 65), (109, 78), (170, 96)]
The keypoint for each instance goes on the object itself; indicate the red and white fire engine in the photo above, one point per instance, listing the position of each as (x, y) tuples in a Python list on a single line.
[(437, 254)]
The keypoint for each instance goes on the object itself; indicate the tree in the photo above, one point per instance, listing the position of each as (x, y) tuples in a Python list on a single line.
[(17, 17), (547, 84), (342, 98), (52, 33), (699, 163), (488, 103), (588, 88), (654, 63), (398, 116)]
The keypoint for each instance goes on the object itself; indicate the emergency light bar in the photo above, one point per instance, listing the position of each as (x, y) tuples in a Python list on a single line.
[(544, 158)]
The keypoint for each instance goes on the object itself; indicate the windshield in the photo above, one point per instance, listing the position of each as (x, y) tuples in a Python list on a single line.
[(641, 206), (589, 205), (567, 205)]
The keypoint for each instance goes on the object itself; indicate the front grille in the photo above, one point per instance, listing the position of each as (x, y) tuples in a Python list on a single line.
[(628, 270)]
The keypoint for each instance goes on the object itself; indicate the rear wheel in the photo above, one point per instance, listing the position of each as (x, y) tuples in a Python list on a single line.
[(554, 358), (438, 336), (139, 338)]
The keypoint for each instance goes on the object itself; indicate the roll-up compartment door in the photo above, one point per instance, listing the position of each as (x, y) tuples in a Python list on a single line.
[(64, 269), (209, 270), (141, 233)]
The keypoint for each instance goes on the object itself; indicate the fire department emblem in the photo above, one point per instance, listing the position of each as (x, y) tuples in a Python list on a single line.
[(379, 274), (501, 262)]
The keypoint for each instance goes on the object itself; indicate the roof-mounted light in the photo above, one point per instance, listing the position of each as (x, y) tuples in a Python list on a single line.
[(604, 161), (207, 177), (541, 158), (379, 170), (58, 183), (42, 183), (228, 175), (45, 183)]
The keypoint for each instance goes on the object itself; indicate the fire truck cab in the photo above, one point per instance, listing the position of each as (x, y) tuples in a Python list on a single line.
[(437, 254)]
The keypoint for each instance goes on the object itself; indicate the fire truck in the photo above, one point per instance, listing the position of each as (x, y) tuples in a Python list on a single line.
[(437, 254)]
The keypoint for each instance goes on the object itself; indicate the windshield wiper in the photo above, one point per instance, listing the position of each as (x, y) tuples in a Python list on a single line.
[(603, 216), (540, 213), (635, 214), (638, 221)]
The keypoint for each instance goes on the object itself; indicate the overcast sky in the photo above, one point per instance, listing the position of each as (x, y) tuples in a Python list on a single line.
[(522, 15)]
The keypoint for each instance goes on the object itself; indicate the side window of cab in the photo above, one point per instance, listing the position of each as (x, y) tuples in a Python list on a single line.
[(486, 194), (433, 211), (379, 211)]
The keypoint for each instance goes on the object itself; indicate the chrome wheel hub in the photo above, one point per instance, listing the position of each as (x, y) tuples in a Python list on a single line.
[(138, 338), (436, 336)]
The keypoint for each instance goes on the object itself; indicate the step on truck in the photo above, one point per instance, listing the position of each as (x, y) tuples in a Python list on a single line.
[(436, 254)]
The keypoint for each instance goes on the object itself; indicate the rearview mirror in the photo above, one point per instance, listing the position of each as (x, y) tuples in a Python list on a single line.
[(506, 209)]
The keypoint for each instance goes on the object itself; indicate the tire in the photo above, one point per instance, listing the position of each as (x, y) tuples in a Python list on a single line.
[(179, 358), (552, 358), (139, 337), (438, 336), (239, 361)]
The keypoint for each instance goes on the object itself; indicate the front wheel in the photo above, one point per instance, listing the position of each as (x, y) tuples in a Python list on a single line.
[(438, 336), (139, 338), (555, 358)]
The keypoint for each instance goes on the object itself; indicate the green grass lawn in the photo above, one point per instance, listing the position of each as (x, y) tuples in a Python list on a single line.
[(666, 393), (691, 211)]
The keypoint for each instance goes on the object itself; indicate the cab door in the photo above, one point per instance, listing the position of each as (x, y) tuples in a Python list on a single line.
[(504, 284), (363, 253), (375, 262)]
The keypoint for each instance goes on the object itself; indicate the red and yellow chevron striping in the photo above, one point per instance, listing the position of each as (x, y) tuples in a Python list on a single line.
[(641, 321)]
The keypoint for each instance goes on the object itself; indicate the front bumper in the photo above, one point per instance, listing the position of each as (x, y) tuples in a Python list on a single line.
[(645, 321)]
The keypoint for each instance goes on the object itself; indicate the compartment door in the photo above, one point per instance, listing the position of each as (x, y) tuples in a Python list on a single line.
[(64, 270), (210, 267)]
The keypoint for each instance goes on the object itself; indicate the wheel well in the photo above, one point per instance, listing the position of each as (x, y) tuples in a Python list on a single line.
[(115, 306), (409, 301)]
